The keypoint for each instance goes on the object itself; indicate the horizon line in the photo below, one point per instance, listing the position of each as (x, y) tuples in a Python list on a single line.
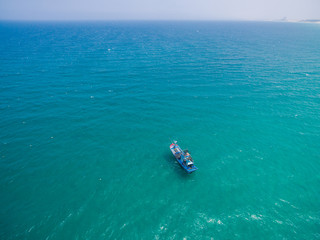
[(148, 20)]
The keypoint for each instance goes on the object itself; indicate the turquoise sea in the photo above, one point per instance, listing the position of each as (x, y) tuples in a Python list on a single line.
[(89, 109)]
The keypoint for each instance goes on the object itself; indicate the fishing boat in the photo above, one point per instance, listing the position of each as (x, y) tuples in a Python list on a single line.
[(183, 157)]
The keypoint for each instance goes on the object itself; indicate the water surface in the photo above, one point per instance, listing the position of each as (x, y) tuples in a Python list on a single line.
[(88, 111)]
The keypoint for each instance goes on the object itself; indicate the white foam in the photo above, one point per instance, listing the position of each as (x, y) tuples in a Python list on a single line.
[(282, 200), (211, 220), (255, 217), (123, 226), (30, 229)]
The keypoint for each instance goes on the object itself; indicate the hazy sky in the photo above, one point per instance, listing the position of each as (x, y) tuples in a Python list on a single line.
[(159, 9)]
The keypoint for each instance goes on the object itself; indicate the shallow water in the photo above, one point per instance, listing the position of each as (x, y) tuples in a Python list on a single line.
[(88, 111)]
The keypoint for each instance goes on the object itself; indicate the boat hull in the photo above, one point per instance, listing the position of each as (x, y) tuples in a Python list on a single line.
[(179, 156)]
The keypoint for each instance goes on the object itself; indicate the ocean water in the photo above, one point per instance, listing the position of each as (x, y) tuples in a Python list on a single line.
[(88, 110)]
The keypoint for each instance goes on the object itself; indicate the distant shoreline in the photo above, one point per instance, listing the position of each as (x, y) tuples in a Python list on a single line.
[(299, 21)]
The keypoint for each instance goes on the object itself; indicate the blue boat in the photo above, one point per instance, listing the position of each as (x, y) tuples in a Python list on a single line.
[(183, 157)]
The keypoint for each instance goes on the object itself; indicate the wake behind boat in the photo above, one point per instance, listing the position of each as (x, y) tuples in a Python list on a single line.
[(183, 157)]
